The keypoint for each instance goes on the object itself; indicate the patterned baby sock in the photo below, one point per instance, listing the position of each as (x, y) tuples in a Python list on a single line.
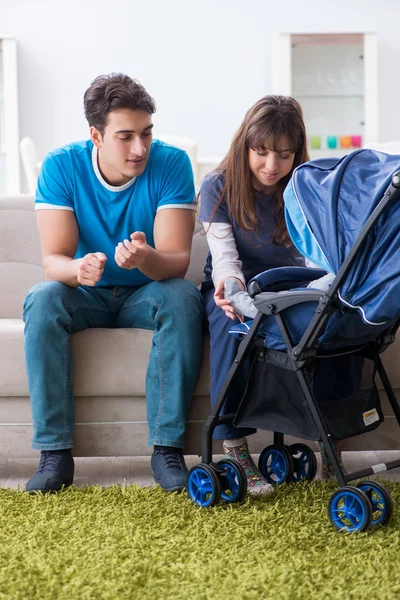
[(238, 450)]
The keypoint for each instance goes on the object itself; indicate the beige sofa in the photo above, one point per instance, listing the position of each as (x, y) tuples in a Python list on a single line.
[(109, 364)]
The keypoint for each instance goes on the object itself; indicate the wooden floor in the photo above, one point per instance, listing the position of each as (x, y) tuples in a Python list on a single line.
[(128, 470)]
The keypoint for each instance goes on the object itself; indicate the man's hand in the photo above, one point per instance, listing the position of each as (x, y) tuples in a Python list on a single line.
[(90, 268), (226, 305), (132, 254)]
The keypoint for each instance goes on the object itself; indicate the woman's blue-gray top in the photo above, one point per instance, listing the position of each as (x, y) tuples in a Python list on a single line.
[(256, 251)]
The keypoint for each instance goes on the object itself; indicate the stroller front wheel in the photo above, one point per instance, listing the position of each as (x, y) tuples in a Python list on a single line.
[(382, 504), (276, 464), (304, 462), (350, 510), (203, 486), (233, 481)]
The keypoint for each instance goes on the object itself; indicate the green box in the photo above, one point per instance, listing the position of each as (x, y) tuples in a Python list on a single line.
[(315, 141)]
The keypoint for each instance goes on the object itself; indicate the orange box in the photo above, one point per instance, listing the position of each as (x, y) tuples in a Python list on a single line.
[(345, 141)]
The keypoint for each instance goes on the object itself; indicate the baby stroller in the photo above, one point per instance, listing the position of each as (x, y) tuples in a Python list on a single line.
[(307, 347)]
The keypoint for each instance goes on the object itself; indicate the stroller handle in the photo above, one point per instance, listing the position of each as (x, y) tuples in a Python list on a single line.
[(396, 180)]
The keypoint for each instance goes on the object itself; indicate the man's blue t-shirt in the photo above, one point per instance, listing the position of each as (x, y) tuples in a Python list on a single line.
[(256, 250), (70, 180)]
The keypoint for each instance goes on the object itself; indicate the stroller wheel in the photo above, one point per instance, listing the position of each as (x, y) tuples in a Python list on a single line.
[(382, 505), (350, 510), (276, 464), (233, 481), (203, 485), (304, 462)]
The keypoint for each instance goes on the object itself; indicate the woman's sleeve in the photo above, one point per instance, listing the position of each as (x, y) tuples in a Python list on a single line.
[(219, 232)]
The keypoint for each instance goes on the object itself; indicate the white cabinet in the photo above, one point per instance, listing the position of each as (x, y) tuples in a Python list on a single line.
[(9, 130), (334, 77)]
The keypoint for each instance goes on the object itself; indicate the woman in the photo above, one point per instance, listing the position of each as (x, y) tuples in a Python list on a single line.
[(242, 210)]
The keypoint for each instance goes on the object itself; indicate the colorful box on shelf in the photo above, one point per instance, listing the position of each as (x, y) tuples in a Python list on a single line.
[(331, 141), (315, 142), (335, 141), (345, 141)]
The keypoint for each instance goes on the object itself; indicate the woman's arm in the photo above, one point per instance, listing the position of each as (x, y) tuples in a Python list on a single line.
[(221, 241), (225, 257), (225, 264)]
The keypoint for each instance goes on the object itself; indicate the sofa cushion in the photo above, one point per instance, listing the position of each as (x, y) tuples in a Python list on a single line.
[(13, 380), (20, 256), (198, 256), (20, 277), (107, 362), (19, 236)]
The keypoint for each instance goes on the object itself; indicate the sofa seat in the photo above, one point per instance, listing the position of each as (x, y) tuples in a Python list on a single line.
[(109, 373), (107, 362)]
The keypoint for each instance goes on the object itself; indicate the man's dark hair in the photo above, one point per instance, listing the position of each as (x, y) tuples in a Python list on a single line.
[(114, 92)]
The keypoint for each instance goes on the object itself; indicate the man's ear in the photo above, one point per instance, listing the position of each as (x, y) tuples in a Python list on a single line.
[(96, 137)]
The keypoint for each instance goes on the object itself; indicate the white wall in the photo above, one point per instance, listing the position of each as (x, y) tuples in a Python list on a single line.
[(204, 61)]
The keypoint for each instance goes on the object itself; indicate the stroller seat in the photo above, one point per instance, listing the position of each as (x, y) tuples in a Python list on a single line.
[(349, 322), (297, 317)]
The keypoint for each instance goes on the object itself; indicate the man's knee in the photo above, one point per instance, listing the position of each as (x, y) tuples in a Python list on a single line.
[(177, 293), (42, 297)]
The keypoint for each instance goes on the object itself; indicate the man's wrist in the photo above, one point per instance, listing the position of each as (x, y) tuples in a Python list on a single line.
[(147, 256)]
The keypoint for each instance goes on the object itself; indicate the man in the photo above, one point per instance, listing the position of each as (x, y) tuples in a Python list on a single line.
[(115, 218)]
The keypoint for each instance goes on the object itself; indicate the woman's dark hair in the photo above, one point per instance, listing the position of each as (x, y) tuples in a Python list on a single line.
[(114, 92), (266, 122)]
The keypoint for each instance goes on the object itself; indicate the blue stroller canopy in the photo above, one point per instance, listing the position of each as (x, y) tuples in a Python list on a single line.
[(327, 203)]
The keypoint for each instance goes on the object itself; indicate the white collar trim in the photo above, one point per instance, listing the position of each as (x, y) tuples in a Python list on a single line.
[(111, 188)]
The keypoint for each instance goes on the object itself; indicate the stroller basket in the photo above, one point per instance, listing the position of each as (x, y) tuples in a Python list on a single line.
[(273, 399)]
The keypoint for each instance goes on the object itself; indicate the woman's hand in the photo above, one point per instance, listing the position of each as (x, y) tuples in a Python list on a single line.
[(219, 299)]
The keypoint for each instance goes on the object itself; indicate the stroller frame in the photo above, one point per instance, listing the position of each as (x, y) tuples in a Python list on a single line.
[(273, 303)]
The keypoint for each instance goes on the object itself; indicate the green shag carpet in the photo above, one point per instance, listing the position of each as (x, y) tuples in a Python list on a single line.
[(129, 542)]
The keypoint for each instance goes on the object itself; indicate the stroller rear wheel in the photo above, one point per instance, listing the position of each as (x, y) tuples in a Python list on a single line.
[(276, 464), (304, 462), (233, 481), (382, 504), (203, 485), (350, 509)]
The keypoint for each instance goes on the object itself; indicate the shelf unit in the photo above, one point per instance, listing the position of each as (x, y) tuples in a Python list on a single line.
[(9, 127), (334, 77)]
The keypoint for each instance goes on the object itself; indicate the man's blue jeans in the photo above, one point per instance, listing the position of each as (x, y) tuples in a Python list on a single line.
[(52, 311)]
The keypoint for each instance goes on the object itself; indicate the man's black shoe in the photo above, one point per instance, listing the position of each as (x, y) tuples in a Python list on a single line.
[(168, 467), (56, 469)]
